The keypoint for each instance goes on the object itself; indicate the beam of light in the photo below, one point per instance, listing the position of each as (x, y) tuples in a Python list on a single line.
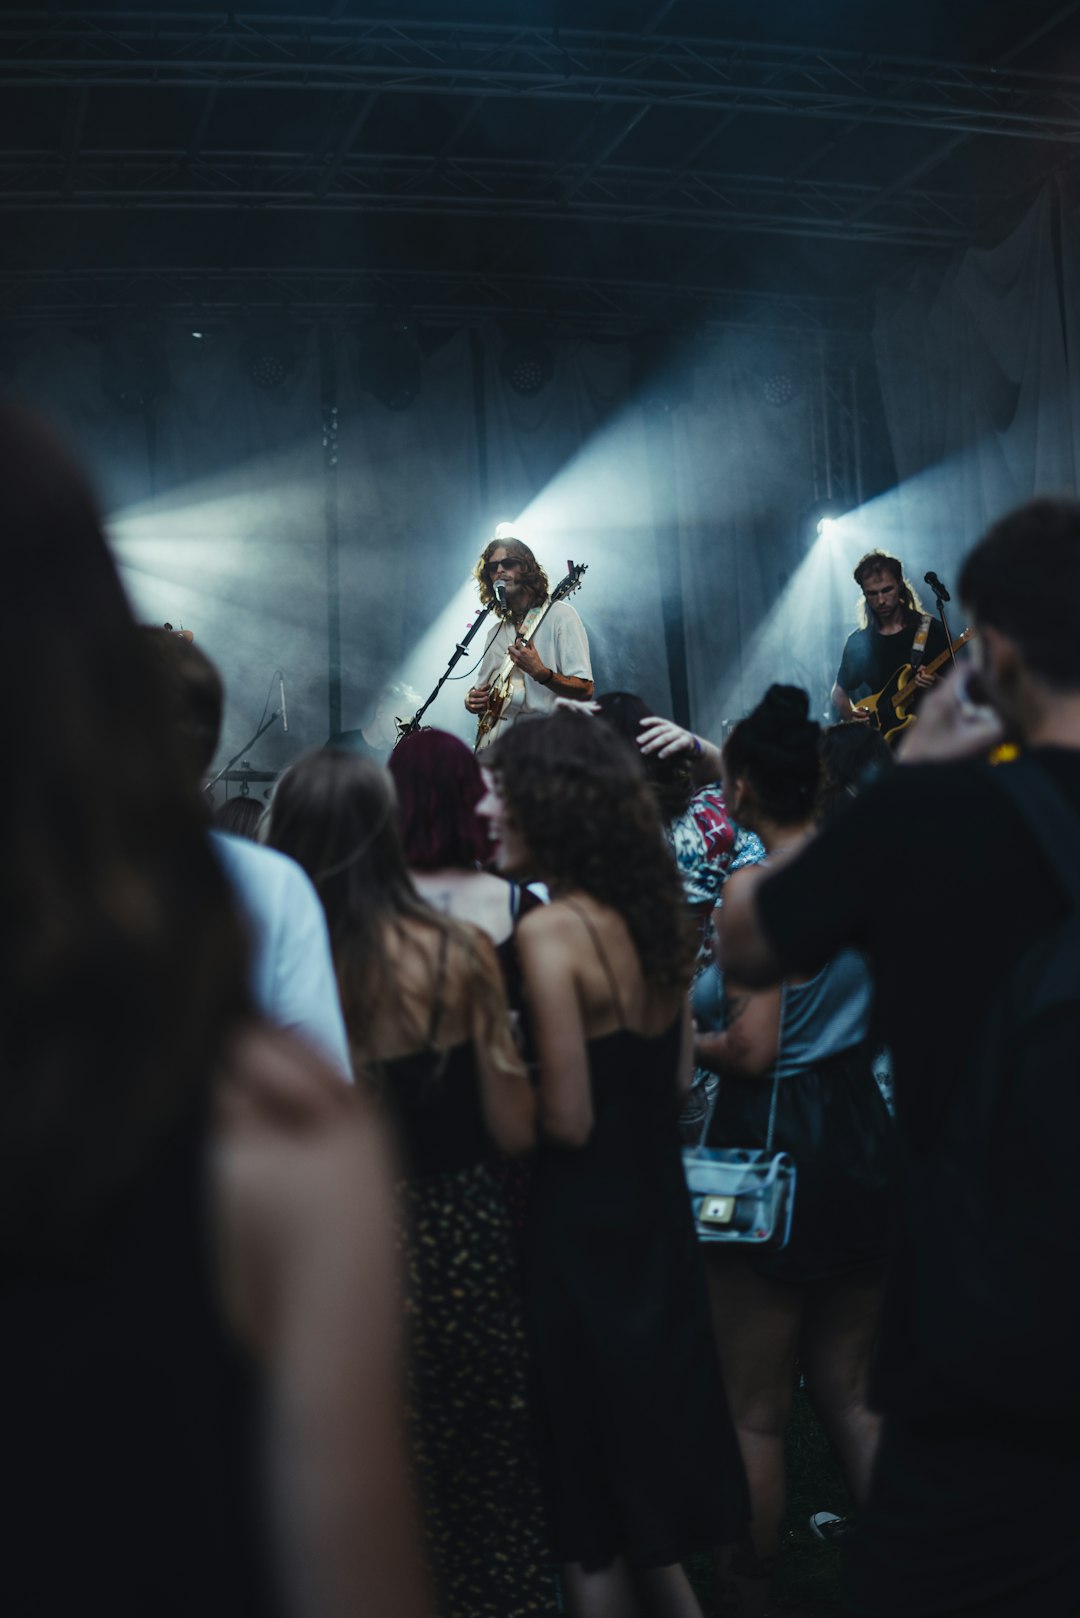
[(427, 660), (799, 641), (597, 509), (237, 559), (929, 521)]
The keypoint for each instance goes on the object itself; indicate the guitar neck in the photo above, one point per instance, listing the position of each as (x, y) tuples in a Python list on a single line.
[(896, 700), (943, 657)]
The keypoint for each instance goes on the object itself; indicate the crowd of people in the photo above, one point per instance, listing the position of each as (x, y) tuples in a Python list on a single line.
[(350, 1266)]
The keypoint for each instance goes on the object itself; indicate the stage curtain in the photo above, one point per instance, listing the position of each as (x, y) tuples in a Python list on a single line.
[(976, 383)]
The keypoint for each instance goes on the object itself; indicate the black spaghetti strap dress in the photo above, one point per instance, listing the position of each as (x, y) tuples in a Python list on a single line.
[(639, 1451), (471, 1419)]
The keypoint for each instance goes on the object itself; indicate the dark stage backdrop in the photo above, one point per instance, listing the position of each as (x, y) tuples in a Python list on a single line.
[(982, 399), (690, 498), (217, 507)]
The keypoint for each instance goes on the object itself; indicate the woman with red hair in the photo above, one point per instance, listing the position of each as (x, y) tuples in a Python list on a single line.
[(439, 784)]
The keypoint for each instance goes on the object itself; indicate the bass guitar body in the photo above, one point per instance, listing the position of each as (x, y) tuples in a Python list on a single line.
[(892, 709)]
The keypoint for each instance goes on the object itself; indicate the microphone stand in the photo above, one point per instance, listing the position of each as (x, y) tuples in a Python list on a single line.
[(942, 596), (407, 726)]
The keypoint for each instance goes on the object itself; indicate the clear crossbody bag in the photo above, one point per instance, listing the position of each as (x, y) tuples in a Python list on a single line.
[(743, 1194)]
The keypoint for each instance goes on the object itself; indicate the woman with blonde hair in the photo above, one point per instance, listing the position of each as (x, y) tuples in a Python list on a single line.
[(429, 1030)]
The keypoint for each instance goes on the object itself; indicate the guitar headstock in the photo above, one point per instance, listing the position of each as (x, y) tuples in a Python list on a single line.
[(572, 581)]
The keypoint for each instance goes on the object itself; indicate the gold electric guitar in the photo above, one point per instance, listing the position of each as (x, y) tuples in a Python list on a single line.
[(891, 710), (501, 685)]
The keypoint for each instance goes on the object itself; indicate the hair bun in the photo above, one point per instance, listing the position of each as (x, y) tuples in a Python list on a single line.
[(789, 702), (781, 727)]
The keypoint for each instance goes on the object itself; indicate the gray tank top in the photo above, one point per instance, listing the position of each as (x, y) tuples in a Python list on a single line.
[(827, 1015)]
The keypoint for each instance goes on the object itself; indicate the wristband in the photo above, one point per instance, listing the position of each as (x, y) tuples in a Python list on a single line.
[(550, 677)]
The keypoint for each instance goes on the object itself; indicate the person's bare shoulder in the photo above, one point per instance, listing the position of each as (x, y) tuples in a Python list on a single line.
[(551, 933)]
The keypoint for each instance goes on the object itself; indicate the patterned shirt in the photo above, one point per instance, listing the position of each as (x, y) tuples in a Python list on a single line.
[(706, 843)]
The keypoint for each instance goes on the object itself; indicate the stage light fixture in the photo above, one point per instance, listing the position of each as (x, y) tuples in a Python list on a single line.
[(823, 521), (779, 389), (267, 352), (527, 364)]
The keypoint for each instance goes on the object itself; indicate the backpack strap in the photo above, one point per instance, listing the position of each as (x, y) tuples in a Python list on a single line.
[(1050, 817)]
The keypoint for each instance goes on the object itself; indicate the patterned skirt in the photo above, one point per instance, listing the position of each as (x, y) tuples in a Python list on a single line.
[(469, 1396)]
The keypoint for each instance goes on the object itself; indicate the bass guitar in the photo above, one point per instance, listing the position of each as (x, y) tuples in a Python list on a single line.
[(502, 685), (891, 710)]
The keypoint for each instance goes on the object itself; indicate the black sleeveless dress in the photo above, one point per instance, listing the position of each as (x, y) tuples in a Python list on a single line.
[(639, 1451), (130, 1420), (470, 1411)]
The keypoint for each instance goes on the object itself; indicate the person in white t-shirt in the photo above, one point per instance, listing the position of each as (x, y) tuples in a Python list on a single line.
[(552, 663), (291, 970)]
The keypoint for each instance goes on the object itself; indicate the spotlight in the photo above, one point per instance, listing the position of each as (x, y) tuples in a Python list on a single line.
[(133, 366), (527, 364), (267, 352), (823, 521), (388, 360), (506, 530)]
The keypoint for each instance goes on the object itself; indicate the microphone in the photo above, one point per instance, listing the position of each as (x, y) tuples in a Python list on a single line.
[(281, 694), (500, 593), (936, 585)]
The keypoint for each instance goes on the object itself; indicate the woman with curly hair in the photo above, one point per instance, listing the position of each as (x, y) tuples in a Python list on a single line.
[(429, 1030), (641, 1460), (705, 841), (817, 1298)]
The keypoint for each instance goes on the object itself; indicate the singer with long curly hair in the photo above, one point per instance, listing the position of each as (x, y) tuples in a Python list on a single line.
[(552, 663)]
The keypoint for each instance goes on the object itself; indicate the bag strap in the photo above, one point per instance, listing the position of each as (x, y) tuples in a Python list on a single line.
[(1049, 815), (776, 1068)]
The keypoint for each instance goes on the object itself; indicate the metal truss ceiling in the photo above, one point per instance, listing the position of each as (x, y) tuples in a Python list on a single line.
[(477, 187), (438, 297), (230, 50)]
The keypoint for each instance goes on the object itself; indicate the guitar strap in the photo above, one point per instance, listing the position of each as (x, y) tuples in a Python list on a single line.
[(918, 645), (528, 623)]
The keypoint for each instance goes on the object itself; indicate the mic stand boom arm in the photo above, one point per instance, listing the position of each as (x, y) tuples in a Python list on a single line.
[(407, 726)]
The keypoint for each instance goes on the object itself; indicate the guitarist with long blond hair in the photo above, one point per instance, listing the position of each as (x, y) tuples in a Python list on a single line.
[(896, 631), (548, 662)]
